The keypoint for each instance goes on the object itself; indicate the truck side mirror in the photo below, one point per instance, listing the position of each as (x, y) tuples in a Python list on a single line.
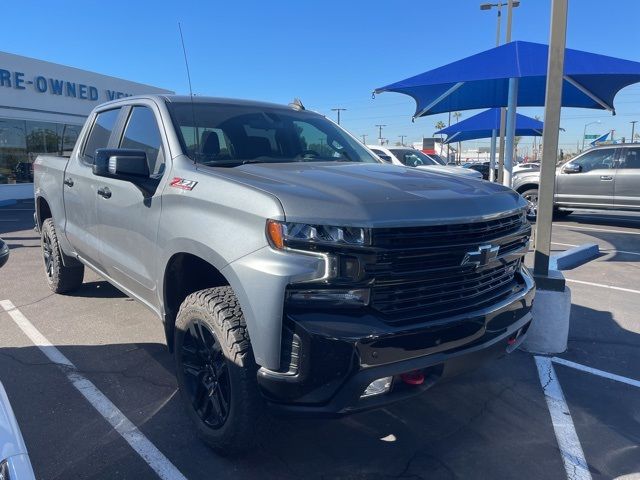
[(571, 168), (122, 163)]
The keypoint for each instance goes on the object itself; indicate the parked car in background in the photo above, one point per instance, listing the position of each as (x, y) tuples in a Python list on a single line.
[(602, 178), (14, 459), (4, 253), (482, 168), (526, 167), (410, 157)]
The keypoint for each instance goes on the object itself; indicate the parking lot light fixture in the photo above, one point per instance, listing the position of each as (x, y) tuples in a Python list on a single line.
[(584, 132)]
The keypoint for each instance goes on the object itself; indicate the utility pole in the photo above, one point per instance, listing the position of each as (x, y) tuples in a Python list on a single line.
[(380, 127), (364, 138), (633, 129), (402, 137), (338, 109)]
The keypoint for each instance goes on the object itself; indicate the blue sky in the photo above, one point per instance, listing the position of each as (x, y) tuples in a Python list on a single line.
[(329, 53)]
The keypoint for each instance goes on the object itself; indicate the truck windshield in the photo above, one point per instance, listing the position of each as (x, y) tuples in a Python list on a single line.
[(228, 135)]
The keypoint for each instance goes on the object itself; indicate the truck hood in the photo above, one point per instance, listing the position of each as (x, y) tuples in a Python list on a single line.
[(466, 172), (374, 195)]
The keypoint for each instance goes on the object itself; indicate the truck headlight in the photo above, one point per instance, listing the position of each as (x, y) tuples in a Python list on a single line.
[(289, 234)]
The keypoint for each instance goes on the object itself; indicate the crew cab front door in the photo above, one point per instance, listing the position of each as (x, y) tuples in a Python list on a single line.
[(627, 187), (588, 180), (128, 215)]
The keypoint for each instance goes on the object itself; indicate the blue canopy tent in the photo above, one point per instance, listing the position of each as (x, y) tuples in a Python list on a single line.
[(485, 124), (515, 74), (481, 80)]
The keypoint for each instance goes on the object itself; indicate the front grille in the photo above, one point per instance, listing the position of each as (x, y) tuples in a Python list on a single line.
[(419, 273)]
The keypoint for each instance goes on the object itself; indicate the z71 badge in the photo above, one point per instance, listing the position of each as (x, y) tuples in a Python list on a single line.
[(183, 183)]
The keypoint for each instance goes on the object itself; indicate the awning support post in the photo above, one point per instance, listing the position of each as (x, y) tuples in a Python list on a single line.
[(550, 136), (510, 133), (492, 156)]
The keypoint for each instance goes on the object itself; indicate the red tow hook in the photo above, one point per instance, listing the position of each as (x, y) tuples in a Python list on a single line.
[(514, 338), (413, 378)]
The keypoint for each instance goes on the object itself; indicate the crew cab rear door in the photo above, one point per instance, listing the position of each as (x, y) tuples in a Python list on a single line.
[(80, 186), (128, 215), (627, 187)]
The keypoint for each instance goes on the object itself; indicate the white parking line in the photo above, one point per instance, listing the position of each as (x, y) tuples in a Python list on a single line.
[(601, 285), (570, 449), (576, 227), (595, 371), (606, 250), (121, 424)]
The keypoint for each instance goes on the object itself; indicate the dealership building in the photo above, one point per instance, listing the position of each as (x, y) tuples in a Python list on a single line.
[(42, 108)]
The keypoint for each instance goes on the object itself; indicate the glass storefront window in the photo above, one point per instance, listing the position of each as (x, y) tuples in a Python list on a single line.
[(22, 141)]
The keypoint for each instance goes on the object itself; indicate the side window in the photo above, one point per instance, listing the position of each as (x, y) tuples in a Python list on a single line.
[(100, 133), (142, 133), (631, 159), (596, 160)]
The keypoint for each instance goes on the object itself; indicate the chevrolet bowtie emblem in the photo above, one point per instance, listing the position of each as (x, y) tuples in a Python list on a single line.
[(482, 256)]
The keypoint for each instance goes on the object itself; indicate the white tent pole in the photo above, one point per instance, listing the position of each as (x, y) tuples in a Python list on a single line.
[(510, 131), (492, 157)]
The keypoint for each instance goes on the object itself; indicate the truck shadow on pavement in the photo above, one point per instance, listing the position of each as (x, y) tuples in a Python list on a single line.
[(97, 289), (489, 423)]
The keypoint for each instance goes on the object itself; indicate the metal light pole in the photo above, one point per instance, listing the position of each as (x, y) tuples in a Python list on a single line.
[(550, 137), (338, 109), (584, 132), (402, 137), (633, 129), (511, 4), (380, 127), (503, 111)]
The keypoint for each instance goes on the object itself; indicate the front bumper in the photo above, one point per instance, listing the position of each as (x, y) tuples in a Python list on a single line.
[(335, 356)]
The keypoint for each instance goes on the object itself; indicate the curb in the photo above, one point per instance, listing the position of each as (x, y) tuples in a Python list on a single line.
[(574, 256)]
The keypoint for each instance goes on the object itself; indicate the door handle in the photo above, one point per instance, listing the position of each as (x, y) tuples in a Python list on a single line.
[(606, 178), (68, 182), (104, 192)]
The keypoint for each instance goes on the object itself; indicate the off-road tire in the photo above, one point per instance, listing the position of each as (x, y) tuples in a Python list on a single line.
[(61, 278), (218, 310)]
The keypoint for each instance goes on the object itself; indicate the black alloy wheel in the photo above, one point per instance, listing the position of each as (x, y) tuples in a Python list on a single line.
[(531, 196), (47, 254), (206, 374)]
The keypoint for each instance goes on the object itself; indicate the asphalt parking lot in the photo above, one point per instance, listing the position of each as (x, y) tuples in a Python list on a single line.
[(491, 423)]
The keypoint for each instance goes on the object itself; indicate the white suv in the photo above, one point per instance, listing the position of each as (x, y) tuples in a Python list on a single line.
[(410, 157)]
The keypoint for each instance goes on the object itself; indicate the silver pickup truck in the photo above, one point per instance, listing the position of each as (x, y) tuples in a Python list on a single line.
[(291, 268)]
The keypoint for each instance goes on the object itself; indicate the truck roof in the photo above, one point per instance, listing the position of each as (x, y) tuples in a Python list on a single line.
[(198, 99)]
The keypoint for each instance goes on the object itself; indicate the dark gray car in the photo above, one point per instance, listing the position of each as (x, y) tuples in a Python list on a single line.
[(605, 177)]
